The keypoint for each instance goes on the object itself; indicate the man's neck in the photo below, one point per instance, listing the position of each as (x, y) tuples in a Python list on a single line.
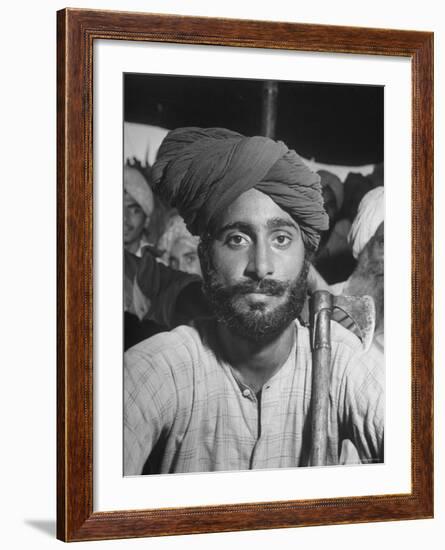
[(256, 362)]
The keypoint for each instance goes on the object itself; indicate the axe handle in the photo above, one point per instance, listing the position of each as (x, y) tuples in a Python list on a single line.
[(321, 378)]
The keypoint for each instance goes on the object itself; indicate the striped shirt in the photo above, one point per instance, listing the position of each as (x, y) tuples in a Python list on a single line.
[(186, 411)]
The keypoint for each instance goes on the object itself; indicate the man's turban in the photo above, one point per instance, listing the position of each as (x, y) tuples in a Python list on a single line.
[(202, 171), (176, 230), (370, 215)]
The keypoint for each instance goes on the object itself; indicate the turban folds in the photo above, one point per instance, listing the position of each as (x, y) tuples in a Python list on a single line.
[(176, 230), (202, 171), (370, 215)]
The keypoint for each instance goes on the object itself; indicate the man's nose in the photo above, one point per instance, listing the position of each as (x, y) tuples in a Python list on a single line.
[(260, 261)]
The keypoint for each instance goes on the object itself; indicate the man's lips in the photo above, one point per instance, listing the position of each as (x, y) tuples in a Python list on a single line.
[(259, 296), (253, 291)]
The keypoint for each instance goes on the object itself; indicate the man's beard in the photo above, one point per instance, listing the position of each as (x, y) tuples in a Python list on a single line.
[(254, 321)]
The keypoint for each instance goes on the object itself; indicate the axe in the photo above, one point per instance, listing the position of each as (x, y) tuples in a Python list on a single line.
[(357, 313)]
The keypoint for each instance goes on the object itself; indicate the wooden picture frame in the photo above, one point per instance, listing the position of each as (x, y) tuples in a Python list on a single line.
[(77, 31)]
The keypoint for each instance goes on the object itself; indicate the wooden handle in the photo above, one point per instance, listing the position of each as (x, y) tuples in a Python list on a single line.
[(321, 375)]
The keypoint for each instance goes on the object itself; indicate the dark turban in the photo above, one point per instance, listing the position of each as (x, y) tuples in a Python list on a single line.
[(202, 171)]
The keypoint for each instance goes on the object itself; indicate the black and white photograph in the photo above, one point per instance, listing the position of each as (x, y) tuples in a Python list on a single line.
[(212, 212), (253, 299)]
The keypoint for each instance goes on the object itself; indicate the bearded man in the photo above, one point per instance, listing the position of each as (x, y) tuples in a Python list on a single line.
[(367, 240), (234, 392)]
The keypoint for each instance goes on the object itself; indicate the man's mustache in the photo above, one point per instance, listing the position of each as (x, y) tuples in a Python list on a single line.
[(268, 287)]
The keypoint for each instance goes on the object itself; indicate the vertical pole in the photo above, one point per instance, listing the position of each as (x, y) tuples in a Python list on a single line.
[(269, 108), (321, 312)]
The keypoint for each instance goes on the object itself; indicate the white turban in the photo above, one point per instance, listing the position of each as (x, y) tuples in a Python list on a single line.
[(137, 187), (176, 229), (370, 215)]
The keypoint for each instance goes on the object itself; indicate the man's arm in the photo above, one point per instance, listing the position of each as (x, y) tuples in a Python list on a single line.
[(149, 406)]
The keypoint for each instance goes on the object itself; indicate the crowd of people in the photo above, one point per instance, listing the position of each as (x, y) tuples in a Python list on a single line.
[(179, 277)]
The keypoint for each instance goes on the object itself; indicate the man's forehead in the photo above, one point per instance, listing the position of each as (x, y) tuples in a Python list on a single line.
[(254, 208)]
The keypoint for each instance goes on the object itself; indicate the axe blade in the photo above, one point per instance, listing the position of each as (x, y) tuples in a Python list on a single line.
[(358, 315)]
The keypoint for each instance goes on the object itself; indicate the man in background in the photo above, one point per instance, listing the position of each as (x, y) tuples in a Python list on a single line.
[(138, 208), (178, 248), (367, 242)]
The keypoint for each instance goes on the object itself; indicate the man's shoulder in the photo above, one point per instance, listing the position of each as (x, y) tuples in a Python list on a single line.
[(169, 360), (182, 342), (344, 337), (347, 350), (351, 358)]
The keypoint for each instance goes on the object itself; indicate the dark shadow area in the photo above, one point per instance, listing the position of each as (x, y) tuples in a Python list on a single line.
[(332, 123), (47, 526)]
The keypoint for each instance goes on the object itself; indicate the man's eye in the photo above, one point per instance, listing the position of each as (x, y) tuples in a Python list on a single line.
[(236, 241), (283, 241)]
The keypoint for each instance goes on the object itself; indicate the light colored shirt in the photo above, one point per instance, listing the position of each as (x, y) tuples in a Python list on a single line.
[(185, 409)]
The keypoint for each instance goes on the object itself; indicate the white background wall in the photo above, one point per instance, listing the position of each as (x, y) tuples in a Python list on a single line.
[(28, 281)]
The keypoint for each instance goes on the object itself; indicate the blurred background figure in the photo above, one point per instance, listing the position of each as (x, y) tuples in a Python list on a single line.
[(179, 248), (334, 259), (370, 215), (367, 241), (356, 185), (143, 222), (138, 209)]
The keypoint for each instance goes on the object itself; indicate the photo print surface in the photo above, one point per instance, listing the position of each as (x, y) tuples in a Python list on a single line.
[(253, 243)]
